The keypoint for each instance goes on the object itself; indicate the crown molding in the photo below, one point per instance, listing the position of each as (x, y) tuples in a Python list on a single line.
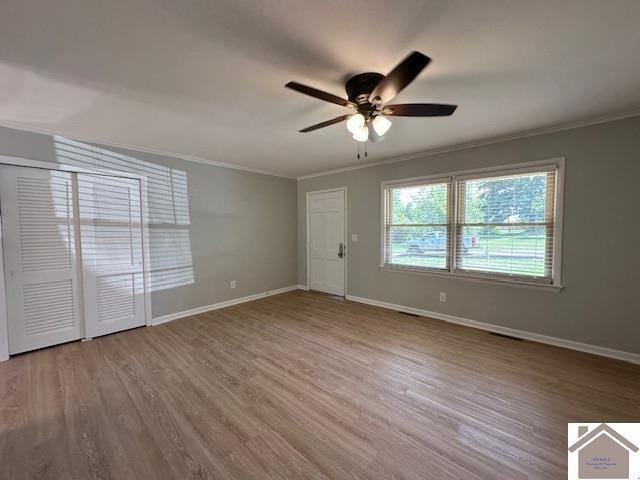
[(480, 143), (188, 158), (402, 158)]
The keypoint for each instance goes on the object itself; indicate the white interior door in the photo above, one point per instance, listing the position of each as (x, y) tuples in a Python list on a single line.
[(111, 233), (327, 242), (40, 257)]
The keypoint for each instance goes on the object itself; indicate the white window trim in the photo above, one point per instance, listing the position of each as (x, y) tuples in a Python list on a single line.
[(556, 268), (422, 181)]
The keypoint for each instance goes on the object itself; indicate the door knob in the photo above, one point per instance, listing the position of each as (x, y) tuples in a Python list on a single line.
[(341, 250)]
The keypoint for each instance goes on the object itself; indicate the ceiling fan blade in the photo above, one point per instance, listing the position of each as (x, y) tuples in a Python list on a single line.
[(399, 78), (314, 92), (339, 119), (419, 110)]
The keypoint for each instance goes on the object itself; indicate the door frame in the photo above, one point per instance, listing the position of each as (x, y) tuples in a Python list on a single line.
[(26, 162), (346, 246), (4, 320)]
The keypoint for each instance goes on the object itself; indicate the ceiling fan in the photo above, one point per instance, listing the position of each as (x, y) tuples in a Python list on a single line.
[(368, 94)]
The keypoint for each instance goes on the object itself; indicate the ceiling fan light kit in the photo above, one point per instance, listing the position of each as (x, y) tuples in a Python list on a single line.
[(381, 125), (368, 94), (361, 134), (355, 122), (360, 127)]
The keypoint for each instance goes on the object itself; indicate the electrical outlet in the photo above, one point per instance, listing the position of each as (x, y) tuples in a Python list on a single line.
[(443, 296), (354, 237), (233, 284)]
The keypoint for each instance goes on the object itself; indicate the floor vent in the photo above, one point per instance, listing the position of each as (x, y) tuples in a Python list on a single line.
[(502, 335)]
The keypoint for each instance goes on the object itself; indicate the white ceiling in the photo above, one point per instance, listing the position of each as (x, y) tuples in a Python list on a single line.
[(205, 78)]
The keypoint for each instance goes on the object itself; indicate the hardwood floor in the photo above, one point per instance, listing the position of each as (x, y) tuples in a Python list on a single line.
[(302, 386)]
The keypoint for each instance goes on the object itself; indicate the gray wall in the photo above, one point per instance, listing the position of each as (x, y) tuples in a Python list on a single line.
[(239, 226), (242, 226), (600, 303)]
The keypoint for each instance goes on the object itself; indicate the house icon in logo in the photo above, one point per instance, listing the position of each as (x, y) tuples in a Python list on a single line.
[(602, 453)]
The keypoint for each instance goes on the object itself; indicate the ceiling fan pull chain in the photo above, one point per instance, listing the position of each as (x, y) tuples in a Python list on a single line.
[(365, 149), (358, 151)]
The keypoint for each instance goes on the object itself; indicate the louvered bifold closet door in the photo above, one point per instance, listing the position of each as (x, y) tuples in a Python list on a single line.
[(111, 233), (41, 265)]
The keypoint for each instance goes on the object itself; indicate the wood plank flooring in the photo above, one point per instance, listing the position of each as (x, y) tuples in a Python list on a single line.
[(303, 386)]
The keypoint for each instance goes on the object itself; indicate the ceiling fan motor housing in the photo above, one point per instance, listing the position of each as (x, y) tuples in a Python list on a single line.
[(360, 86)]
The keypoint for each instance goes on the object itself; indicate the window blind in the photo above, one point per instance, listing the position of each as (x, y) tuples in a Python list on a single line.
[(505, 224), (418, 225)]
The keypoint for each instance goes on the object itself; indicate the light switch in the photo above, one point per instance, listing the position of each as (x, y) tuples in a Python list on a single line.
[(354, 237)]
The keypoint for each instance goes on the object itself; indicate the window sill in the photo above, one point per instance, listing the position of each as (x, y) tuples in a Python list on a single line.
[(473, 278)]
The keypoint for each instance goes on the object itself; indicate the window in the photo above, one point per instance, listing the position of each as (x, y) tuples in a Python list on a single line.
[(418, 225), (505, 224)]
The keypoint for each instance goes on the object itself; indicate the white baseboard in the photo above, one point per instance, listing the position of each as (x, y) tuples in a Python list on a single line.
[(535, 337), (216, 306), (303, 287)]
